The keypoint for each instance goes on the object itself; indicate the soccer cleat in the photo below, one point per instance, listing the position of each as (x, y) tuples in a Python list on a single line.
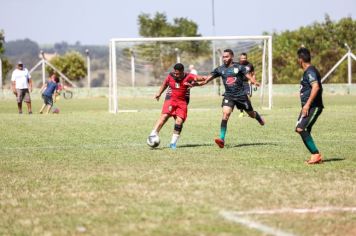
[(315, 159), (220, 142), (262, 121), (241, 115), (173, 146)]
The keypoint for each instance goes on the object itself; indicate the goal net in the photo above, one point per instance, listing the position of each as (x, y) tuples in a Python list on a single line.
[(139, 65)]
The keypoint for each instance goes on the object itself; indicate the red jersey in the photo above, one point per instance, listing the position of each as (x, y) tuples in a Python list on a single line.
[(177, 90)]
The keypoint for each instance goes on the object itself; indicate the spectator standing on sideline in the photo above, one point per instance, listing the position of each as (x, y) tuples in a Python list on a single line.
[(22, 86)]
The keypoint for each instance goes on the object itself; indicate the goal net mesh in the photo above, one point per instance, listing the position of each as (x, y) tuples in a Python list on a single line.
[(138, 68)]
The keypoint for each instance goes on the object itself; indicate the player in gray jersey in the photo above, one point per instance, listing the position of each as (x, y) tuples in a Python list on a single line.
[(233, 76)]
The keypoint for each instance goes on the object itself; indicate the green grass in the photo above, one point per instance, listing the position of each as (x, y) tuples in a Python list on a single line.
[(88, 171)]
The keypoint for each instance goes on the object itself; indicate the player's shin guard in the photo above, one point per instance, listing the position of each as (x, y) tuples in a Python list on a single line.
[(178, 128), (309, 142), (223, 129)]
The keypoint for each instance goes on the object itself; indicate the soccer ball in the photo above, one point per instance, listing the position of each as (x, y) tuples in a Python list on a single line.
[(153, 141), (55, 110)]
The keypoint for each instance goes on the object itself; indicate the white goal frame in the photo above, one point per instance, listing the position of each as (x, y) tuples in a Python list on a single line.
[(113, 81)]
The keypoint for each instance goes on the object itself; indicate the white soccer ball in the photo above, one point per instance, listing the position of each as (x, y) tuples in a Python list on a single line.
[(153, 141)]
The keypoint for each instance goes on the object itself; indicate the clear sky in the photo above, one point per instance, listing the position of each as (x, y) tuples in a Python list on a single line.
[(96, 21)]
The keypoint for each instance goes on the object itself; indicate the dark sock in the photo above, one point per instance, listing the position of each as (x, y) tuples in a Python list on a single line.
[(223, 128), (258, 117), (309, 142)]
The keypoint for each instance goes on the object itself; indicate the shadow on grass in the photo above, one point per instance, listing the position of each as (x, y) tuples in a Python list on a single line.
[(196, 145), (213, 144), (333, 159), (183, 146), (251, 144)]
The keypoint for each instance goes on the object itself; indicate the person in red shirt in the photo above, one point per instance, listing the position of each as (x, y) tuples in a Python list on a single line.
[(176, 102)]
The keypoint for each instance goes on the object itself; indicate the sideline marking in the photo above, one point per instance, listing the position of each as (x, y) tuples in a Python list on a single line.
[(295, 210), (240, 217), (232, 216)]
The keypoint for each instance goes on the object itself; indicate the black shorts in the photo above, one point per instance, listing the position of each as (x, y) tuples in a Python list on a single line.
[(306, 123), (48, 100), (241, 103)]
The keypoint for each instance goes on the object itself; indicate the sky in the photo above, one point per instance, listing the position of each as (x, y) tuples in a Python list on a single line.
[(94, 22)]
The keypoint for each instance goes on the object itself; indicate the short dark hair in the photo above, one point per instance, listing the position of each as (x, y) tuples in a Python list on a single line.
[(56, 79), (229, 51), (304, 54), (179, 66), (243, 54)]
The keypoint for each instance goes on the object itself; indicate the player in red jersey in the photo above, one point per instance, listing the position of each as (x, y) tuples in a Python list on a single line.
[(176, 102)]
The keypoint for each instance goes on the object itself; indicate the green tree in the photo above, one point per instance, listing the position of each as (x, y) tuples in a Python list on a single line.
[(326, 42), (25, 50), (71, 64), (162, 54), (5, 63)]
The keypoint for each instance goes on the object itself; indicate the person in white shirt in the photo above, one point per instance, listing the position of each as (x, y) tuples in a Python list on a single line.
[(192, 70), (22, 86)]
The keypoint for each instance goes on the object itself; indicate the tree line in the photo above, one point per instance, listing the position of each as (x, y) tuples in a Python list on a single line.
[(325, 39)]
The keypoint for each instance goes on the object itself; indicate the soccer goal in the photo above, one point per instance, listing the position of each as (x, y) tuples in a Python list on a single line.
[(139, 65)]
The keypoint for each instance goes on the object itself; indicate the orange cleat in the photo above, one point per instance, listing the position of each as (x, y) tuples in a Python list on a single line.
[(315, 159), (220, 142)]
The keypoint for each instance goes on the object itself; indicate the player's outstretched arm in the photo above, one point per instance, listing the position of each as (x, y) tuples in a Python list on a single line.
[(44, 86), (207, 80), (196, 81), (161, 90)]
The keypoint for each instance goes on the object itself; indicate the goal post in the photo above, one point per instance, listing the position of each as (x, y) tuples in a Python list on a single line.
[(142, 62)]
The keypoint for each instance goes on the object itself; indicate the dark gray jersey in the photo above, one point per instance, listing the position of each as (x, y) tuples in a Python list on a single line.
[(311, 75), (233, 78)]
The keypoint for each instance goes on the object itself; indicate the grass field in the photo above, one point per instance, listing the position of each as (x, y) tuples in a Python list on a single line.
[(86, 171)]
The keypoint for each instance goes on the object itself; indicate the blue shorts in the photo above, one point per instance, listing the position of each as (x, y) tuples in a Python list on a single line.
[(48, 100)]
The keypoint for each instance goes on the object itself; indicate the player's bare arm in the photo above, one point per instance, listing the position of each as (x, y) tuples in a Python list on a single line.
[(206, 79), (161, 90), (197, 81), (44, 86), (14, 88), (252, 78), (314, 92), (30, 85)]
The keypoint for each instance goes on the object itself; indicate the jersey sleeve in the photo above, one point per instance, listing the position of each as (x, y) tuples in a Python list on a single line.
[(28, 76), (166, 81), (244, 70), (215, 73), (312, 78), (192, 77)]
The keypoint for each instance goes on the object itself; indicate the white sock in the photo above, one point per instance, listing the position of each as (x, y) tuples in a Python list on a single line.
[(153, 132), (175, 138)]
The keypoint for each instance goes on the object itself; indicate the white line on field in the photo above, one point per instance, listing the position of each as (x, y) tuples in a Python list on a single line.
[(231, 216), (240, 216), (296, 210)]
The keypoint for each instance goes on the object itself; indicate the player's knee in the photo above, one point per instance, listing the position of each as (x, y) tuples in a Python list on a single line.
[(299, 130), (178, 127), (226, 115)]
